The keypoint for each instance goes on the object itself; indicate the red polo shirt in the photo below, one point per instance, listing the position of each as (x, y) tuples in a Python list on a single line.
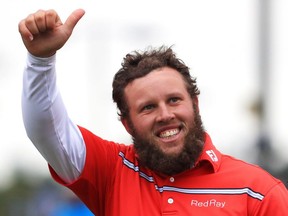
[(113, 184)]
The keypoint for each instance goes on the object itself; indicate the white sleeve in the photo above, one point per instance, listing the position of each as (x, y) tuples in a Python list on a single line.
[(46, 121)]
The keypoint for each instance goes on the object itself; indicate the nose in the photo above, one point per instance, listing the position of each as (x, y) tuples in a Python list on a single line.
[(164, 114)]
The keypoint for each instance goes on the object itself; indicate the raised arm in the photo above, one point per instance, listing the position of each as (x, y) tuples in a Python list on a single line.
[(45, 117)]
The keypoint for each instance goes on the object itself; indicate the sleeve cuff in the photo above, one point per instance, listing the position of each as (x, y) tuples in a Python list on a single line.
[(39, 60)]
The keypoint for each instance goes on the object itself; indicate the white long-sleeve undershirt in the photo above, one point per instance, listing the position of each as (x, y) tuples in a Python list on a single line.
[(46, 120)]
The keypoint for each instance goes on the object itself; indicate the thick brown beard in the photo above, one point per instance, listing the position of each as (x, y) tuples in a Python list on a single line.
[(152, 157)]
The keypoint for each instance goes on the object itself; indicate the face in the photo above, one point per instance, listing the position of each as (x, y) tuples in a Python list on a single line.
[(162, 120)]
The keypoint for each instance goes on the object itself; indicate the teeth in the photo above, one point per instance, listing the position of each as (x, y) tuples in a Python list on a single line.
[(169, 133)]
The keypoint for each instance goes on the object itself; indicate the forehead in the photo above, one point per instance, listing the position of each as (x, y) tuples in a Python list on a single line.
[(158, 76), (158, 82)]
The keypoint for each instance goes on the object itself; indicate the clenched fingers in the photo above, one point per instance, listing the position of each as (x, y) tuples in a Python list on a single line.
[(37, 23)]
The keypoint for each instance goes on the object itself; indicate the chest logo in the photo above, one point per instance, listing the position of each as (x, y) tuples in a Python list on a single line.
[(208, 203)]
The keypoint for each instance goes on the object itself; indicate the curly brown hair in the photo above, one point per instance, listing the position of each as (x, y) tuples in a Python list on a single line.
[(138, 64)]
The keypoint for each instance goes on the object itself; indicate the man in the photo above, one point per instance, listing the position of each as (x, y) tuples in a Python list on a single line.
[(172, 168)]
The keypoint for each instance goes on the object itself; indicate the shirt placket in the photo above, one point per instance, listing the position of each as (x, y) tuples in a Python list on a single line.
[(169, 201)]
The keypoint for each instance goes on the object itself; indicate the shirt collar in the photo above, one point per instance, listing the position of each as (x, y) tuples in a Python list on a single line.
[(210, 154)]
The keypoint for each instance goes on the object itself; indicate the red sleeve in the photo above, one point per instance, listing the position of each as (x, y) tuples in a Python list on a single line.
[(275, 202), (93, 184)]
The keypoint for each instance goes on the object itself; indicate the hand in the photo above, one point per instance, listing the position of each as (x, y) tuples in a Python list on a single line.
[(43, 32)]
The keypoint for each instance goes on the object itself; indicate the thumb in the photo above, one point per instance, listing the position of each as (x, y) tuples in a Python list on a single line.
[(73, 18)]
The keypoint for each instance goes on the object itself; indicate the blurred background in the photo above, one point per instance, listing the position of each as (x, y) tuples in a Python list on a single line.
[(237, 49)]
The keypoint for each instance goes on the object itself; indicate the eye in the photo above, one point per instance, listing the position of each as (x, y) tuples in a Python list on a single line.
[(174, 100), (148, 107)]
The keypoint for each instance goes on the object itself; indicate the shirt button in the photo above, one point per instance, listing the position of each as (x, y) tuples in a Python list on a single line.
[(172, 179), (170, 200)]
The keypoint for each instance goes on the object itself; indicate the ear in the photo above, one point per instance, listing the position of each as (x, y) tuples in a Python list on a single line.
[(126, 125), (196, 103)]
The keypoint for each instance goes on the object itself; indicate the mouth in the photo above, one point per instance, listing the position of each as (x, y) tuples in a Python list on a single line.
[(169, 133)]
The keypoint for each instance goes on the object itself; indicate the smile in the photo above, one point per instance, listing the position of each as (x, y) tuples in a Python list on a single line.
[(169, 133)]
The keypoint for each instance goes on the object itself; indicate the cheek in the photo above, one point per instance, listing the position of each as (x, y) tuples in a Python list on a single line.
[(186, 113), (143, 124)]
